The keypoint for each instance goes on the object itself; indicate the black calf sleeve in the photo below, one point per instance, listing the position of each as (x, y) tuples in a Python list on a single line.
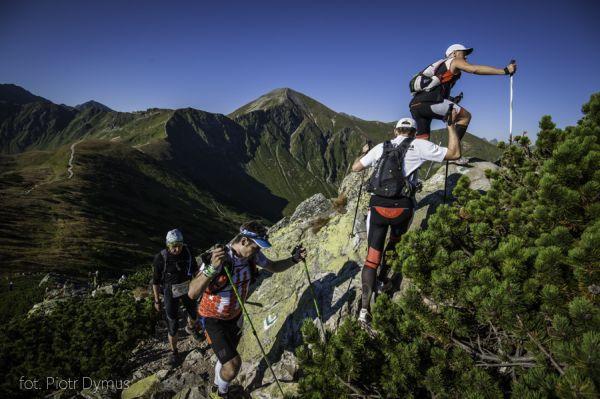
[(368, 277)]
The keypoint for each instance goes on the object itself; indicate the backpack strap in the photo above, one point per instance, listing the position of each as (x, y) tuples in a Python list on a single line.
[(403, 149), (189, 272), (164, 269)]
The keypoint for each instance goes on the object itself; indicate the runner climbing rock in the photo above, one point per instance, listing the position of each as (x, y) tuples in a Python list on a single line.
[(431, 90), (174, 267), (392, 188), (219, 308)]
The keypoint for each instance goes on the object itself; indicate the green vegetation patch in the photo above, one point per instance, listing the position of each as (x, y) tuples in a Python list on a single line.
[(90, 337), (504, 288)]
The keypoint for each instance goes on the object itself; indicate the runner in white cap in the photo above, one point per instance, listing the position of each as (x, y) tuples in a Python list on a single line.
[(431, 90), (392, 187)]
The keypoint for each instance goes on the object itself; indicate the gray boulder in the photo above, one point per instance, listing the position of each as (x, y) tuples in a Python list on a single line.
[(315, 206)]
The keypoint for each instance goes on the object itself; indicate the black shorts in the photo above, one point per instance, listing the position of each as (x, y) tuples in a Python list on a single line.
[(223, 336), (379, 220), (172, 309), (424, 112)]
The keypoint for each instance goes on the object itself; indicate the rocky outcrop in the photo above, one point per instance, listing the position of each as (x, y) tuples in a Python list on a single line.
[(109, 289), (315, 206), (58, 288), (336, 252)]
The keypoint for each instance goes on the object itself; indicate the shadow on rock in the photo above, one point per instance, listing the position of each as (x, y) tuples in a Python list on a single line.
[(333, 292)]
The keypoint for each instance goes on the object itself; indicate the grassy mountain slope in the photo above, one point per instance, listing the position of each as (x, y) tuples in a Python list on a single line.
[(138, 174), (112, 214)]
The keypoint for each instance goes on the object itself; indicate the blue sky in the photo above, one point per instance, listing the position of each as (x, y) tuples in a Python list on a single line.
[(355, 57)]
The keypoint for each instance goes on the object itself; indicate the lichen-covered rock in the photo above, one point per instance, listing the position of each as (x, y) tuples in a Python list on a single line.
[(314, 206), (142, 389), (104, 290), (45, 307), (335, 255), (190, 393)]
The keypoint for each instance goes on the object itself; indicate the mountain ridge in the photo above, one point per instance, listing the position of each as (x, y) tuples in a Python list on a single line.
[(260, 161)]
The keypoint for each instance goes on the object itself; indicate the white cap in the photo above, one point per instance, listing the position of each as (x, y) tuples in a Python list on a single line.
[(406, 122), (458, 47), (174, 236)]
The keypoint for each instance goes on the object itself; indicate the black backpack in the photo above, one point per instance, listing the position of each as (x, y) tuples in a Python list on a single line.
[(388, 179), (165, 254)]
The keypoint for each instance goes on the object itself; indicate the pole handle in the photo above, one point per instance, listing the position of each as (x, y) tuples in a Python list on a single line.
[(513, 61)]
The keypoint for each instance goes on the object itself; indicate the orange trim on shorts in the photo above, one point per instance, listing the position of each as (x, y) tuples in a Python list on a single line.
[(389, 213)]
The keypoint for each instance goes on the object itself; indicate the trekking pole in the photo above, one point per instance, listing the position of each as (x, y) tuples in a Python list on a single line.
[(445, 182), (312, 291), (448, 118), (262, 350), (510, 125), (362, 181)]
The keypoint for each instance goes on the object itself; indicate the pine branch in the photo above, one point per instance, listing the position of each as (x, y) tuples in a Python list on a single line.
[(541, 348), (511, 364), (490, 357)]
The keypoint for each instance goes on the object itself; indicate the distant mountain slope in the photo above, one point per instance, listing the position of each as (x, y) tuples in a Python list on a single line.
[(112, 214)]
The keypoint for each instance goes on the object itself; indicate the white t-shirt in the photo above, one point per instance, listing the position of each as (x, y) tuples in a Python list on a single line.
[(418, 152)]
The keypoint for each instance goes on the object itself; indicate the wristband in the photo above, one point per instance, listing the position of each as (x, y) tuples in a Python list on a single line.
[(209, 271), (506, 71)]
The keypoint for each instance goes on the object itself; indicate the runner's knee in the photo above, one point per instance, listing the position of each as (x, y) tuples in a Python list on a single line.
[(373, 258), (231, 368)]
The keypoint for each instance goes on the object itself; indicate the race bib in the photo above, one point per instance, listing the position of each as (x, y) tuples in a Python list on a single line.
[(180, 289)]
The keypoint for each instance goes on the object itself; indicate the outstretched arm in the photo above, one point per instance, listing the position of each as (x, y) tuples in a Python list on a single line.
[(357, 166), (299, 254), (463, 65), (277, 266)]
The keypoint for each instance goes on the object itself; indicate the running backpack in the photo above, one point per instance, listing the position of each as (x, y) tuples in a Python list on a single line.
[(164, 255), (388, 179), (429, 78)]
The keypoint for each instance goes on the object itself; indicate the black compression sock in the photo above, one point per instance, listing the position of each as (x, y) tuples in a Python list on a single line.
[(460, 131), (368, 278)]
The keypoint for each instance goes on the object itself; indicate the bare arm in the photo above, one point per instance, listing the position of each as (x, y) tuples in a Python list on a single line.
[(277, 266), (357, 166), (199, 284), (156, 290), (453, 145), (463, 65), (298, 255)]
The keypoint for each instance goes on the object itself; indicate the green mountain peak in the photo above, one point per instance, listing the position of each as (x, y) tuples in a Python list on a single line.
[(95, 105)]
